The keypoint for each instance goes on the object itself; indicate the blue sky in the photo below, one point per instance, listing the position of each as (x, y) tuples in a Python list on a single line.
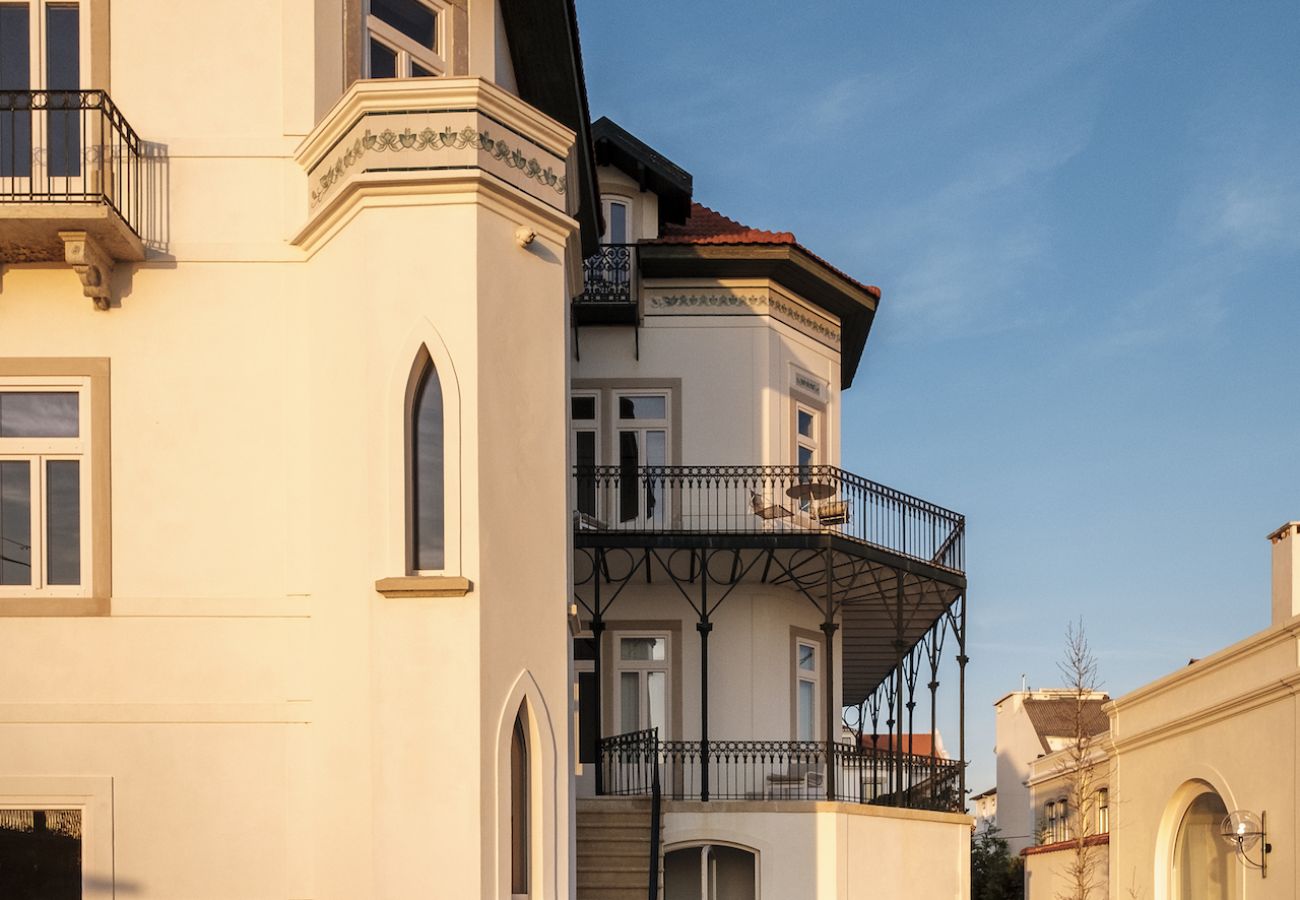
[(1085, 219)]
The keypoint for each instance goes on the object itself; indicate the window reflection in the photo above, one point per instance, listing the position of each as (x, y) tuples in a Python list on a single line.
[(426, 476), (27, 414), (15, 522)]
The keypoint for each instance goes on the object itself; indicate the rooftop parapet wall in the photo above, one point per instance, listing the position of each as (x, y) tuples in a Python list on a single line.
[(1286, 571)]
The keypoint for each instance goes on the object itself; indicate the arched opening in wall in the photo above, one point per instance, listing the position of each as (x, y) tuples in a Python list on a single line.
[(425, 469), (520, 809), (711, 872), (1203, 864)]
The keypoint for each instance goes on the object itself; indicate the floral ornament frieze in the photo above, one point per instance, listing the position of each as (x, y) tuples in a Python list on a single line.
[(390, 141), (758, 305)]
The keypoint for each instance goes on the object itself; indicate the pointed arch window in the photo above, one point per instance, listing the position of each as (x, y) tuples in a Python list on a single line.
[(426, 470), (520, 809)]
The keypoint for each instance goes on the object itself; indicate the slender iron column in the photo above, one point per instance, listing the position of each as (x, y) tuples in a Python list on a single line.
[(597, 630), (704, 626), (962, 659), (897, 737), (828, 628)]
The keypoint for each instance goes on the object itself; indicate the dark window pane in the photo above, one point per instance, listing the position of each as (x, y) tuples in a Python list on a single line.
[(63, 73), (520, 839), (410, 17), (427, 472), (584, 648), (588, 727), (62, 48), (27, 414), (649, 407), (583, 408), (15, 75), (585, 460), (629, 457), (383, 61), (63, 521), (15, 47), (618, 223), (40, 854), (419, 71), (15, 523), (805, 423)]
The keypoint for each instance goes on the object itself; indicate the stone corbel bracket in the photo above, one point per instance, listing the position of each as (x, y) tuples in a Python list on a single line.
[(91, 263)]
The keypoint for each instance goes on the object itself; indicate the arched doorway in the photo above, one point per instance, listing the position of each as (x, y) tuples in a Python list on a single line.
[(1203, 864), (711, 872)]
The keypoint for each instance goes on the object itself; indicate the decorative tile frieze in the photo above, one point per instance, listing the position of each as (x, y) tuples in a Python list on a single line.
[(429, 139), (766, 304)]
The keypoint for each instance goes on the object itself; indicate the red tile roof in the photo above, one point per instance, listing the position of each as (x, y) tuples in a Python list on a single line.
[(918, 744), (707, 226)]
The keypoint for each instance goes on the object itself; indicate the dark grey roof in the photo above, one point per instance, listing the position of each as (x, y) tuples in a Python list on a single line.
[(653, 171), (1055, 717)]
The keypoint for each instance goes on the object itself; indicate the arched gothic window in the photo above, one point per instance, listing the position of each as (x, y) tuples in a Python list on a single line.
[(520, 810), (425, 475)]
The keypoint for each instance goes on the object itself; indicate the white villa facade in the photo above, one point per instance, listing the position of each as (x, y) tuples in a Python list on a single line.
[(358, 542)]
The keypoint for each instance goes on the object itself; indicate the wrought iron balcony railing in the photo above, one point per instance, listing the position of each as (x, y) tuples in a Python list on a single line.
[(767, 500), (69, 147), (610, 276), (777, 770)]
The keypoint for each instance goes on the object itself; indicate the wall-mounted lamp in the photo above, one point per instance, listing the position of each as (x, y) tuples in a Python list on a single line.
[(1244, 830)]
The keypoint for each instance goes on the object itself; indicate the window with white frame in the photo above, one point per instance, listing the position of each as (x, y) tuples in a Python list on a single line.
[(711, 872), (45, 490), (641, 670), (1049, 823), (1062, 819), (43, 46), (405, 38), (618, 221), (642, 431), (807, 687), (1103, 811)]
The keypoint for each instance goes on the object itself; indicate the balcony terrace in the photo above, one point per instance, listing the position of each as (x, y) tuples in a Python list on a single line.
[(71, 184), (884, 566)]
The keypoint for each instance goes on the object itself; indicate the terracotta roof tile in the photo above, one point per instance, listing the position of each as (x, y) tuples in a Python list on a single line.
[(708, 226)]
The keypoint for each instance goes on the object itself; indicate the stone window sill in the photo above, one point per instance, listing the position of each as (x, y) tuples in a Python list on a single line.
[(424, 586)]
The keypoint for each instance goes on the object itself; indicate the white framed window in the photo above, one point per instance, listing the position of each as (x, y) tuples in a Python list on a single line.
[(1062, 819), (56, 838), (642, 431), (1049, 824), (807, 688), (405, 39), (44, 45), (618, 220), (641, 674), (1103, 811), (586, 715), (45, 487)]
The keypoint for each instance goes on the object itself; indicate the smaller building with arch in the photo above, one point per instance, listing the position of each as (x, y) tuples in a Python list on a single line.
[(1218, 735)]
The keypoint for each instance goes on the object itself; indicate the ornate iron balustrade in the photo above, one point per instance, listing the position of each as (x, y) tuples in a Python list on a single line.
[(777, 770), (610, 276), (69, 147), (767, 500)]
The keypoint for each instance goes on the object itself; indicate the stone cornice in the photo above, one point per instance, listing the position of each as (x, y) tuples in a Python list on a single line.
[(760, 303)]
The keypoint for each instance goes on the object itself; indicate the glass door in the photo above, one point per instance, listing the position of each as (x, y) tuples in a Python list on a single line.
[(642, 456)]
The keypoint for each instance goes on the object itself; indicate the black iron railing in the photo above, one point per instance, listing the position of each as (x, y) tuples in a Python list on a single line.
[(69, 147), (767, 500), (610, 276), (778, 770)]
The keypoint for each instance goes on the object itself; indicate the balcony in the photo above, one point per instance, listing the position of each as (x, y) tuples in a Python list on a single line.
[(885, 571), (775, 771), (71, 184), (746, 506), (610, 294)]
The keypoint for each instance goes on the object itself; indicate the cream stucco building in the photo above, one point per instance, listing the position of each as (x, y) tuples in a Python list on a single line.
[(369, 530)]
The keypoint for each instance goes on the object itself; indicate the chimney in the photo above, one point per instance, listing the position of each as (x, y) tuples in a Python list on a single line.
[(1286, 571)]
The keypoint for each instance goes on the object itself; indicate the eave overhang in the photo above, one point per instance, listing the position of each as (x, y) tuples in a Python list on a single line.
[(652, 170), (547, 57), (790, 265)]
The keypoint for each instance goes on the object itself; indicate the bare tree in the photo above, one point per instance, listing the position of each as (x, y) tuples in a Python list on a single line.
[(1083, 767)]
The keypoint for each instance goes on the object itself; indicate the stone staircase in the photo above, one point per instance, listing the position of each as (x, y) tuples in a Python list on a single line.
[(614, 849)]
